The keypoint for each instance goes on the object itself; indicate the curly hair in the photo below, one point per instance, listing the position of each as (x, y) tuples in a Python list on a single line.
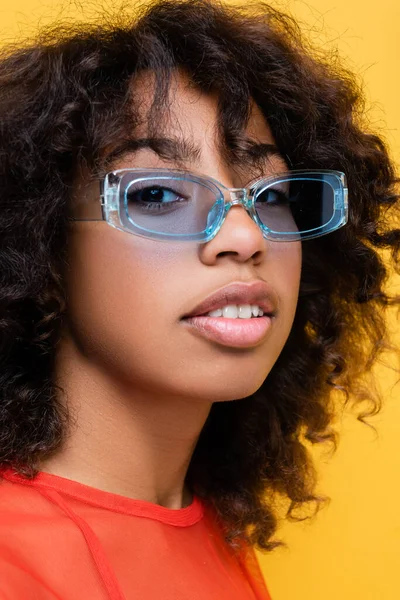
[(65, 99)]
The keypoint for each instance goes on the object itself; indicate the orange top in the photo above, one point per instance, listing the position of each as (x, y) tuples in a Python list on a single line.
[(62, 540)]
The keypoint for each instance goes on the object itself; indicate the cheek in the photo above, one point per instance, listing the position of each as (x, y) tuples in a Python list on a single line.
[(107, 273), (123, 292)]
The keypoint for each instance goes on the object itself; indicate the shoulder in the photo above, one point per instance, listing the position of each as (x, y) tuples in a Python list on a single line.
[(17, 583), (22, 512), (23, 516)]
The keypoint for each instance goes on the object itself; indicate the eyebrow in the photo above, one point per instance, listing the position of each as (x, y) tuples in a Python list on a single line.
[(171, 149), (181, 150)]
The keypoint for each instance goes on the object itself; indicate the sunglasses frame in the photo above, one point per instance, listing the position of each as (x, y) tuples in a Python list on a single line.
[(114, 205)]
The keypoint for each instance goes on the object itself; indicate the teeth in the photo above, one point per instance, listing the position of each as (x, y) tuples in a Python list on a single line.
[(245, 311), (215, 313), (231, 311), (241, 311)]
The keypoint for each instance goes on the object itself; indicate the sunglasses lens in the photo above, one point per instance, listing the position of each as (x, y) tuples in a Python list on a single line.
[(302, 204), (170, 205)]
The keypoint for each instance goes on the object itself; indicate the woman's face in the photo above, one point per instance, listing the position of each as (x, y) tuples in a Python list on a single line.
[(128, 295)]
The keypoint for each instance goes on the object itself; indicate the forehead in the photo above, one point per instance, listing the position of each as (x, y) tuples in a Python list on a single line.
[(182, 124), (184, 102)]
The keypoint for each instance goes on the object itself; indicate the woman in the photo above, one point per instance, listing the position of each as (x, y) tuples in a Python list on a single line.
[(190, 221)]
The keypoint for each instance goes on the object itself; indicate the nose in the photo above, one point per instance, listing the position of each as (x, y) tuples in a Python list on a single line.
[(239, 237)]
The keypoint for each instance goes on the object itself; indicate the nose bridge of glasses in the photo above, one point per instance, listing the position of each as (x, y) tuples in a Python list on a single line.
[(237, 196)]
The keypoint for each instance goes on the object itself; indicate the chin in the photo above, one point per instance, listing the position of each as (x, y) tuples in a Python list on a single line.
[(227, 391), (237, 394)]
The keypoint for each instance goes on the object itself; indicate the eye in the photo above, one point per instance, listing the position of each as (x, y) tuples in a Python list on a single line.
[(272, 197), (153, 194)]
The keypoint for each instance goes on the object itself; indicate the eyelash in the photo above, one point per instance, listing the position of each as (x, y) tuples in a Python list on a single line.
[(281, 196), (156, 206)]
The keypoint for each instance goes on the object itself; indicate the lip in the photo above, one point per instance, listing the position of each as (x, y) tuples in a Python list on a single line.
[(234, 333), (255, 292)]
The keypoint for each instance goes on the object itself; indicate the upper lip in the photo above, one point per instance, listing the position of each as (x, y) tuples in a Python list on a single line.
[(255, 292)]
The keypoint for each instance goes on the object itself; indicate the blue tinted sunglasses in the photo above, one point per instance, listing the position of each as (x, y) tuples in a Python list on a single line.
[(165, 204)]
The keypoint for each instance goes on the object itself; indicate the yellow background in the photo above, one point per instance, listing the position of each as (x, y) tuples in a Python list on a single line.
[(352, 549)]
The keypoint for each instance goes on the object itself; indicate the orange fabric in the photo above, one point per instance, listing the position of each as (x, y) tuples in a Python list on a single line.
[(62, 540)]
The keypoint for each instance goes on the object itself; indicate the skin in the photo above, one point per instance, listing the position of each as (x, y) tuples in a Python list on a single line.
[(138, 384)]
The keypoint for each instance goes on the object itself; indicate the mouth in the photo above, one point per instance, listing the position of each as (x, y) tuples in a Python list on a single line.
[(239, 315), (240, 295)]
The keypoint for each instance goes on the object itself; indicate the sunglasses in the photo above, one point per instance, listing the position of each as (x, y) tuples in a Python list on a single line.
[(165, 204)]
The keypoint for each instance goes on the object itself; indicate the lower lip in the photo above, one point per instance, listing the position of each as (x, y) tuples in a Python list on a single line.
[(236, 333)]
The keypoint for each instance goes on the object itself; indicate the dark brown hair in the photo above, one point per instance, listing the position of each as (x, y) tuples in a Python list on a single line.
[(64, 100)]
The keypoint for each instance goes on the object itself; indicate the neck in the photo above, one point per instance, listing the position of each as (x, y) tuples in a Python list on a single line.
[(123, 439)]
